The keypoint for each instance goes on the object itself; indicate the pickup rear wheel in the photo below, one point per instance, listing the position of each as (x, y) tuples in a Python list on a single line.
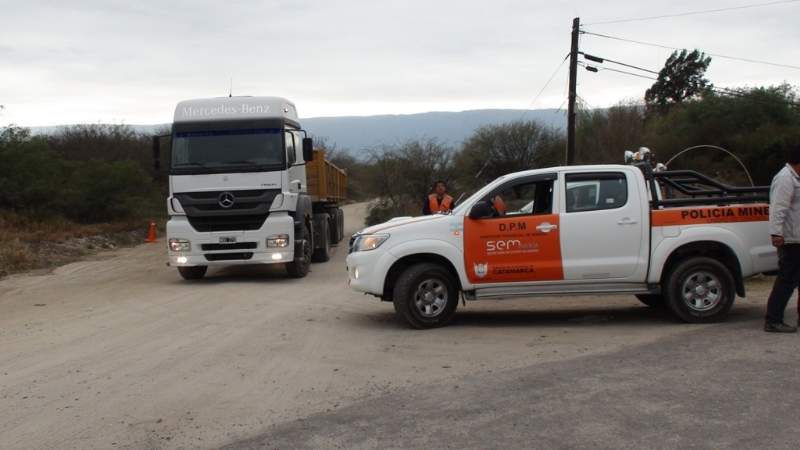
[(700, 290), (425, 296)]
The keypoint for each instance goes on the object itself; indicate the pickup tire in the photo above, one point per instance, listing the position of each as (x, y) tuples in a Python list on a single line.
[(425, 296), (193, 272), (301, 264), (700, 290), (651, 300)]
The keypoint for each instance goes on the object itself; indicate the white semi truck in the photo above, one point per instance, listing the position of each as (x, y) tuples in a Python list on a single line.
[(247, 187)]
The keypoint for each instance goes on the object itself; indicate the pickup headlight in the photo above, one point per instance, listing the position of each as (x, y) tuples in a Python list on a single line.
[(367, 242), (180, 245), (278, 241)]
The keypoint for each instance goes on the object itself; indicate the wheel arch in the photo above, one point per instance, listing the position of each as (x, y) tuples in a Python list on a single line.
[(710, 249), (407, 261)]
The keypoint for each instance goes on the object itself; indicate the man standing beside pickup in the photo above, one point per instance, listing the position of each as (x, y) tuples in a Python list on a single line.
[(438, 200), (784, 226)]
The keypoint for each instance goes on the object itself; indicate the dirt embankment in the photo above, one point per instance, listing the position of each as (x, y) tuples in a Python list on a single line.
[(31, 244)]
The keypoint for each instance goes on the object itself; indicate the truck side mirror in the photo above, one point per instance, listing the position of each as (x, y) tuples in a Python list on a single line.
[(158, 169), (481, 210), (308, 149)]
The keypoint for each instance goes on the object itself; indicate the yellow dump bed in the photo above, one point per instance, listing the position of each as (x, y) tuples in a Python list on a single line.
[(326, 182)]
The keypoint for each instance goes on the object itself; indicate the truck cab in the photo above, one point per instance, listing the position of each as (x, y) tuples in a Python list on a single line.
[(238, 188), (567, 230)]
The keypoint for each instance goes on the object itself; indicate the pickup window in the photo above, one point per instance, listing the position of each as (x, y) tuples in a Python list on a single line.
[(596, 191), (531, 197)]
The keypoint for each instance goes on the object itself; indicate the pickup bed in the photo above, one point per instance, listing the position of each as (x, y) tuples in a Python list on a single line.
[(676, 238)]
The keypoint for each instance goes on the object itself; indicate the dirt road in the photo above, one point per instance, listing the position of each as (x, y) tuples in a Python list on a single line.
[(120, 352)]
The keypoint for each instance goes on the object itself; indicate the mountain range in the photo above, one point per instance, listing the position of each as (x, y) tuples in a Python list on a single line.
[(357, 134)]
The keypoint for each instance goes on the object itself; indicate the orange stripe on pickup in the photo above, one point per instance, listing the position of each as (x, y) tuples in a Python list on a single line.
[(756, 212)]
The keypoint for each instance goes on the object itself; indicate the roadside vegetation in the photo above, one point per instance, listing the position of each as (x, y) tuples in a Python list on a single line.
[(62, 196)]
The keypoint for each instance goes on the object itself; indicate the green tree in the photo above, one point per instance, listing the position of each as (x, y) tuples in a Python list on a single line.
[(603, 135), (682, 78), (496, 150)]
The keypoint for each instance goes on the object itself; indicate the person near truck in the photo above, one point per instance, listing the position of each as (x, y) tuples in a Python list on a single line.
[(784, 226), (438, 201)]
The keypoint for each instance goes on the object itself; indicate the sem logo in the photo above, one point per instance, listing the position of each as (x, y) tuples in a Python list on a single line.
[(481, 269), (499, 246)]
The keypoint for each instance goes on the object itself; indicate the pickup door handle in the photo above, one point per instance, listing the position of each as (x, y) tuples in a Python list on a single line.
[(546, 227), (626, 221)]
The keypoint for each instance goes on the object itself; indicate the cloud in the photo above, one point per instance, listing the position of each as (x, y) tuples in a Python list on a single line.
[(132, 61)]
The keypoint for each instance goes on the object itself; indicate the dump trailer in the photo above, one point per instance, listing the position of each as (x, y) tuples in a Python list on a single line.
[(246, 186)]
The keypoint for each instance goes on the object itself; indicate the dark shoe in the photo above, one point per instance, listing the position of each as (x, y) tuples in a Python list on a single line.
[(779, 328)]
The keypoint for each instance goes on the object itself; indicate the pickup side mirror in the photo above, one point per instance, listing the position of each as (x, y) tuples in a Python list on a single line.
[(481, 210), (308, 149)]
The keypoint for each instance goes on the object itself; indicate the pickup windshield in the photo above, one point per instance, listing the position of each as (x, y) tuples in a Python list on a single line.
[(228, 150)]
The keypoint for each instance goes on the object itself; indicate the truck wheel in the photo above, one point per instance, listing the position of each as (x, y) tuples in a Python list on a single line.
[(301, 264), (193, 273), (651, 300), (340, 223), (425, 296), (700, 290), (323, 249)]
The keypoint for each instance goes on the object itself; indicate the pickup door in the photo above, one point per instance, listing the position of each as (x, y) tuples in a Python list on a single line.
[(604, 223), (520, 243)]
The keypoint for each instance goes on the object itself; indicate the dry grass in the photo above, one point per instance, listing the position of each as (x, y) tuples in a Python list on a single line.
[(28, 243)]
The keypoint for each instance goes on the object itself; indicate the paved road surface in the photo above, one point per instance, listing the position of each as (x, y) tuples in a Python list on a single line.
[(119, 352)]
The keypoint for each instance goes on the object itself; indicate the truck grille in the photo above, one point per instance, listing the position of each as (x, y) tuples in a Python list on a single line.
[(235, 246), (229, 256), (240, 210)]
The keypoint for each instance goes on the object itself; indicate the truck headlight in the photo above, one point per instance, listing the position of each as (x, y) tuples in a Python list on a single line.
[(180, 245), (367, 242), (278, 241)]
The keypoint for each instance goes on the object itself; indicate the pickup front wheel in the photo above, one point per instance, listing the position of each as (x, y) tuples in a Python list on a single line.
[(700, 290), (425, 296)]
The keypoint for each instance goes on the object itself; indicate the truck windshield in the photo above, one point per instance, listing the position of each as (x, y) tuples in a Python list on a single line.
[(228, 150)]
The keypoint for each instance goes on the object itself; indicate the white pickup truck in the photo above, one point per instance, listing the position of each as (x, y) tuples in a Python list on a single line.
[(669, 237)]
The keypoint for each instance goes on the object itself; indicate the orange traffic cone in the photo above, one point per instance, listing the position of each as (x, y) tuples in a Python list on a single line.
[(151, 232)]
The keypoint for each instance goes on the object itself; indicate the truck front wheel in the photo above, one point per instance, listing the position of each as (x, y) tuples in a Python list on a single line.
[(700, 290), (322, 252), (301, 264), (425, 296), (193, 272)]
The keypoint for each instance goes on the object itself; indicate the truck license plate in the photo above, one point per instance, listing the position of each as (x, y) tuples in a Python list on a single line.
[(227, 239)]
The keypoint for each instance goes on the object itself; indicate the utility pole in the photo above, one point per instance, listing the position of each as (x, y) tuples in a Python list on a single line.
[(573, 81)]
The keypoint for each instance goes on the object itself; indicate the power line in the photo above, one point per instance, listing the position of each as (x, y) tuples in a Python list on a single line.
[(716, 55), (718, 90), (549, 80), (694, 13), (600, 60)]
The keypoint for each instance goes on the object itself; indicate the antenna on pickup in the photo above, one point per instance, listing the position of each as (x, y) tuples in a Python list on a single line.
[(230, 92)]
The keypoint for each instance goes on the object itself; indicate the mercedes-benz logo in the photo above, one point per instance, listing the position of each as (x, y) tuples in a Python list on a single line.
[(226, 200)]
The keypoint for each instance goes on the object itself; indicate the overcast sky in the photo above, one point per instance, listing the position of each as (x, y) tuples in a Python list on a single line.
[(131, 61)]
